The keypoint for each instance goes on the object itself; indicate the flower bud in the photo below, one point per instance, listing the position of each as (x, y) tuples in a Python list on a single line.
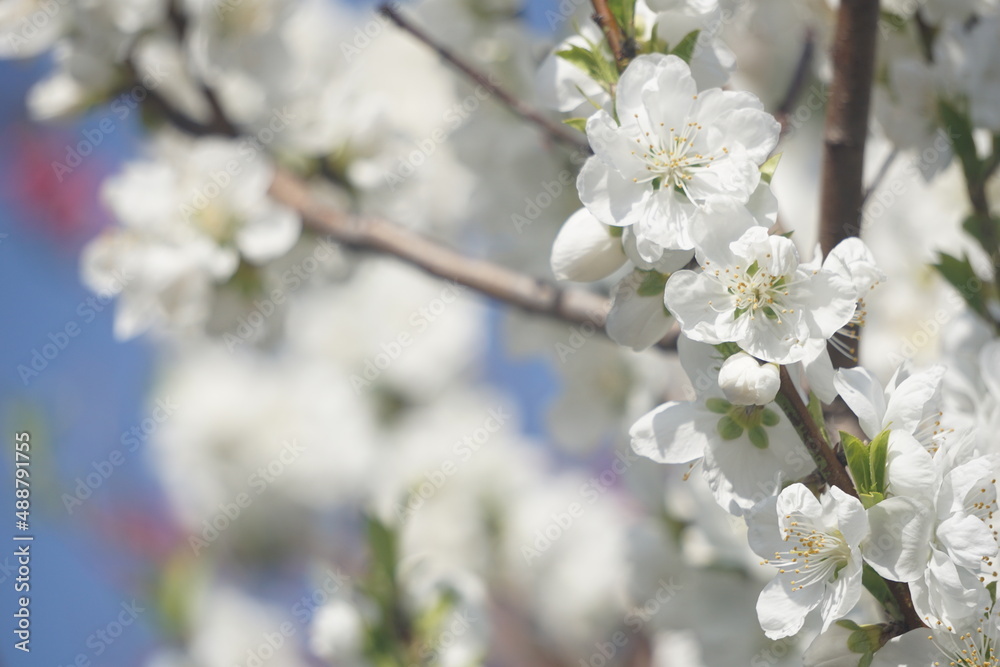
[(585, 249), (745, 381), (337, 631)]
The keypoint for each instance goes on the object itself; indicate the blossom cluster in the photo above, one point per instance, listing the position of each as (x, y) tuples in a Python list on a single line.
[(680, 186), (346, 462)]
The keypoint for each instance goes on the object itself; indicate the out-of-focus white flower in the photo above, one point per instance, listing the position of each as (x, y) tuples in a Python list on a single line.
[(188, 217), (337, 632)]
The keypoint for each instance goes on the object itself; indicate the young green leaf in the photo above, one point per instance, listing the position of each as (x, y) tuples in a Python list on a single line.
[(857, 461), (878, 453), (685, 48), (767, 169)]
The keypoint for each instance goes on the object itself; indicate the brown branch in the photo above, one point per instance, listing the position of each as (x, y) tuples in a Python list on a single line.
[(830, 468), (901, 593), (557, 131), (571, 305), (847, 121), (608, 24)]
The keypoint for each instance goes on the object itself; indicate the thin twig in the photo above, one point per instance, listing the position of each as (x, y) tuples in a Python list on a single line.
[(880, 176), (557, 131), (784, 110), (571, 305), (847, 121)]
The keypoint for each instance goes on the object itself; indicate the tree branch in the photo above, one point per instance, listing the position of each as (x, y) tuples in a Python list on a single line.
[(557, 131), (815, 440), (571, 305), (608, 24), (847, 121)]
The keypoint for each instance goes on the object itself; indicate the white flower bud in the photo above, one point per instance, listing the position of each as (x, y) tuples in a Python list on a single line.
[(745, 381), (585, 250), (337, 631)]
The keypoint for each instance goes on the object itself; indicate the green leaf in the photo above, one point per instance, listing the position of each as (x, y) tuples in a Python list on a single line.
[(959, 129), (685, 48), (655, 43), (576, 123), (770, 417), (767, 169), (865, 639), (878, 453), (876, 585), (719, 406), (382, 543), (857, 461), (652, 284), (758, 436), (870, 500), (815, 406), (960, 274), (593, 64), (729, 429)]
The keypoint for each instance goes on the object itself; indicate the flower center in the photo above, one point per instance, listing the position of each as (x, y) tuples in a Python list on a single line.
[(975, 648), (756, 291), (814, 555), (671, 157)]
